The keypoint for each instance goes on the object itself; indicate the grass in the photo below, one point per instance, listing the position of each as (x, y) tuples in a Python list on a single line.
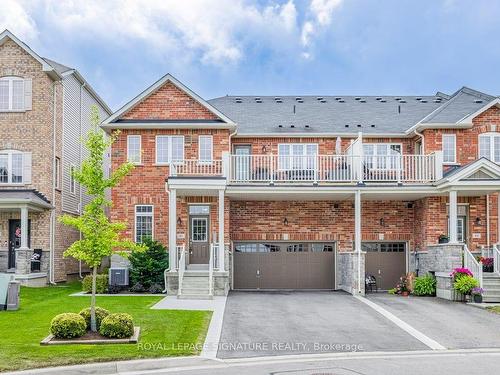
[(163, 332), (494, 309)]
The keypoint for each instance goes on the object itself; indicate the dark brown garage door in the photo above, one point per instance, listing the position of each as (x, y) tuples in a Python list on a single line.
[(280, 265), (386, 261)]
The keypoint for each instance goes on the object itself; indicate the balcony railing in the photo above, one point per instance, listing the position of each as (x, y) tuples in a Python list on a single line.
[(193, 167), (333, 168)]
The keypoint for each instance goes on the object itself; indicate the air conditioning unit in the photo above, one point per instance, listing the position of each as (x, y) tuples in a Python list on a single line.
[(118, 276)]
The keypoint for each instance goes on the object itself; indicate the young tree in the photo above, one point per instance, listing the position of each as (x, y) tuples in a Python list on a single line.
[(100, 237)]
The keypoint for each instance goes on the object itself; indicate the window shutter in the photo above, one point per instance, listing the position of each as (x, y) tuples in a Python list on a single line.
[(26, 167), (28, 94)]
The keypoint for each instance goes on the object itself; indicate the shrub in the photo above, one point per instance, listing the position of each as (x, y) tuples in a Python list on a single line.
[(100, 314), (117, 326), (68, 325), (101, 284), (114, 289), (137, 288), (147, 267), (155, 289), (465, 284), (460, 272), (424, 286)]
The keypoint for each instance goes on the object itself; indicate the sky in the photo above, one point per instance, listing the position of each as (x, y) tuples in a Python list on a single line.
[(290, 47)]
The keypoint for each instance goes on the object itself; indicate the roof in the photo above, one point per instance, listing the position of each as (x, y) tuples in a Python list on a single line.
[(26, 196), (58, 67), (346, 114)]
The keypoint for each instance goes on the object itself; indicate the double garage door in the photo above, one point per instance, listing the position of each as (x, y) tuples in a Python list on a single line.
[(280, 265)]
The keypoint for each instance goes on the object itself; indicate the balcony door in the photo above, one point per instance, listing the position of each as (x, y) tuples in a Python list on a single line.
[(242, 162)]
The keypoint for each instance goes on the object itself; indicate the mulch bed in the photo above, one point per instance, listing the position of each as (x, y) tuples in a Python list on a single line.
[(92, 338)]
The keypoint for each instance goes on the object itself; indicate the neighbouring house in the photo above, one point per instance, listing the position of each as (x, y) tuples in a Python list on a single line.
[(307, 192), (44, 111)]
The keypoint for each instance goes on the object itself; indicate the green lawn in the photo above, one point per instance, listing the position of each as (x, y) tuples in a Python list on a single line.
[(494, 309), (163, 332)]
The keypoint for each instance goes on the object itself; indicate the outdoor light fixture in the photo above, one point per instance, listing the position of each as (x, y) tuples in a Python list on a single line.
[(478, 221), (264, 149), (382, 222), (285, 221), (179, 221)]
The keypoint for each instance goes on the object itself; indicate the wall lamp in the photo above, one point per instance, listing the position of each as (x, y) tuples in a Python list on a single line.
[(478, 221), (264, 149), (285, 221), (382, 222), (179, 221)]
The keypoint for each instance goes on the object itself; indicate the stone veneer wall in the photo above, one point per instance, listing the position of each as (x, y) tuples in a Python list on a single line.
[(439, 258), (347, 272)]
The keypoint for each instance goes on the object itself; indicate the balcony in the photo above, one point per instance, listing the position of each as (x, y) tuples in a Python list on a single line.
[(315, 169)]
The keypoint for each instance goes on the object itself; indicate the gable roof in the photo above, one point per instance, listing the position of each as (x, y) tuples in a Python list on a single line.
[(151, 89), (46, 67), (478, 172)]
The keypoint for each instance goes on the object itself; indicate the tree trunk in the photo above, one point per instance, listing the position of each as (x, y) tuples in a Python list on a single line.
[(93, 325)]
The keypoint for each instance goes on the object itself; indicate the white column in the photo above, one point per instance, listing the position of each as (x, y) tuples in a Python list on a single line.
[(221, 230), (357, 221), (172, 229), (453, 216), (24, 228)]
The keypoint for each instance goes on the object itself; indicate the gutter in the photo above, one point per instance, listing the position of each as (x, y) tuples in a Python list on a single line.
[(423, 141), (52, 212), (169, 265), (82, 85)]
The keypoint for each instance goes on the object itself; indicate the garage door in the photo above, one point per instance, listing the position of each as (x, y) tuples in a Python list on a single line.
[(278, 265), (386, 261)]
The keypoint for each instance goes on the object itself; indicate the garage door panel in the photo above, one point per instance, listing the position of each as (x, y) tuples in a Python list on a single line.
[(386, 261), (247, 265), (271, 271)]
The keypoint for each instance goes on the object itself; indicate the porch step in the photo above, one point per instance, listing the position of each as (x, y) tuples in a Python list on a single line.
[(194, 296), (491, 286), (195, 285), (197, 267)]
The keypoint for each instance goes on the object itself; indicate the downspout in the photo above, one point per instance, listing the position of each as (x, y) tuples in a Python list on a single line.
[(52, 212), (423, 141), (168, 268), (488, 221), (80, 188)]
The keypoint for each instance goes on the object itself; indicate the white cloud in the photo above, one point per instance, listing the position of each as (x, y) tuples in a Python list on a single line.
[(15, 18), (320, 16)]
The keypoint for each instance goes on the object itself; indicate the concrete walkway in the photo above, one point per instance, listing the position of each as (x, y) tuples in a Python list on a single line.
[(216, 305)]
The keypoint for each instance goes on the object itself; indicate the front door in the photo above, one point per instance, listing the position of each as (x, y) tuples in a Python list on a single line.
[(199, 251), (15, 240)]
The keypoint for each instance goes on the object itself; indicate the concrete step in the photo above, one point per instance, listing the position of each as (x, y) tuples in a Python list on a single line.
[(197, 267), (195, 296), (195, 283), (491, 299), (185, 290)]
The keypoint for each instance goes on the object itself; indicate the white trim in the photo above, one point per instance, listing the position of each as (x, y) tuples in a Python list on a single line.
[(206, 161), (169, 149), (9, 154), (167, 78), (454, 136), (491, 136), (146, 214), (482, 163), (10, 96), (207, 234), (130, 136)]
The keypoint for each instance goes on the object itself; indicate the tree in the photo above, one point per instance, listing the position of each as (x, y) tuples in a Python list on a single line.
[(147, 267), (100, 237)]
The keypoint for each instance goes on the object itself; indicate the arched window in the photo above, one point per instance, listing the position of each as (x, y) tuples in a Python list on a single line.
[(11, 167), (12, 94), (489, 146)]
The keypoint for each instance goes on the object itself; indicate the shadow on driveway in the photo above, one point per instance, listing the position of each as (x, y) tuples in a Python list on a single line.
[(278, 323)]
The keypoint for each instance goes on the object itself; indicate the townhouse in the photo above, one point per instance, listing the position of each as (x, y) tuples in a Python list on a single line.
[(306, 192), (44, 111)]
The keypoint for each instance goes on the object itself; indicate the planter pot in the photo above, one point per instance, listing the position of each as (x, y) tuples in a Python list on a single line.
[(457, 297), (488, 268), (443, 240), (478, 298), (405, 294)]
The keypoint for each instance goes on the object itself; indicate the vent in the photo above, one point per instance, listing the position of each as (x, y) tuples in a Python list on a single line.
[(357, 98), (278, 100), (397, 99), (359, 125), (418, 98), (378, 98), (346, 125), (323, 101), (478, 101), (338, 98), (383, 101), (362, 101), (280, 126), (118, 276), (258, 100), (300, 101), (307, 126), (341, 101), (320, 98), (402, 101), (423, 101), (292, 126), (238, 100), (437, 101), (372, 125)]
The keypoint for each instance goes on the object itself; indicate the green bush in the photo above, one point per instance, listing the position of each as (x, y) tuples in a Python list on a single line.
[(101, 284), (68, 325), (100, 314), (118, 326), (465, 284), (424, 286), (147, 267)]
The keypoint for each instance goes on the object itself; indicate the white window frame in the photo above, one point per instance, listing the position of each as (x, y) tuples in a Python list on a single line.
[(210, 160), (491, 136), (9, 155), (134, 136), (378, 163), (57, 165), (286, 162), (11, 80), (169, 150), (72, 181), (144, 214), (454, 136)]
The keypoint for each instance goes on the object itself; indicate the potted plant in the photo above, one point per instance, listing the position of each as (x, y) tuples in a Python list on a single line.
[(477, 294), (402, 286), (487, 264), (443, 239), (456, 275)]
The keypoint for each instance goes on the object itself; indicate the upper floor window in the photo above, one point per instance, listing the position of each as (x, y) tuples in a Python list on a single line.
[(489, 146), (11, 167), (381, 155), (297, 155), (134, 149), (205, 145), (15, 94), (449, 148), (169, 149)]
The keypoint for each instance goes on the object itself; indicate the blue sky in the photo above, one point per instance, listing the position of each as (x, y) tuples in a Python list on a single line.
[(238, 47)]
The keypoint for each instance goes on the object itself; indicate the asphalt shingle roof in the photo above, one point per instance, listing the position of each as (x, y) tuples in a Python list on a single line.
[(58, 67)]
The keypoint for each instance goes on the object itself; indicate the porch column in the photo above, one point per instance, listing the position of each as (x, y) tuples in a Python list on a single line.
[(357, 221), (221, 230), (172, 229), (24, 228), (453, 216)]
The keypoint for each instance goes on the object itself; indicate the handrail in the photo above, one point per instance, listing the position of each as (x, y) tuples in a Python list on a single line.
[(172, 266), (182, 268), (211, 271), (195, 167), (471, 263), (496, 259)]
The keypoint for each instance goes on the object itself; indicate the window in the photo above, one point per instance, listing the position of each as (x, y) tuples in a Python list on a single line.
[(297, 155), (72, 183), (11, 167), (381, 155), (134, 149), (199, 229), (11, 94), (489, 146), (449, 150), (143, 222), (58, 173), (205, 148), (169, 149)]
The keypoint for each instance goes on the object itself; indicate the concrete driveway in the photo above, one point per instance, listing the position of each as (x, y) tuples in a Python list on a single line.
[(278, 323), (454, 325)]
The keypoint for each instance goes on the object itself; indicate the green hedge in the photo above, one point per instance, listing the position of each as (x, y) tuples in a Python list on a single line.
[(118, 326), (68, 325), (100, 314), (101, 284), (424, 286)]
